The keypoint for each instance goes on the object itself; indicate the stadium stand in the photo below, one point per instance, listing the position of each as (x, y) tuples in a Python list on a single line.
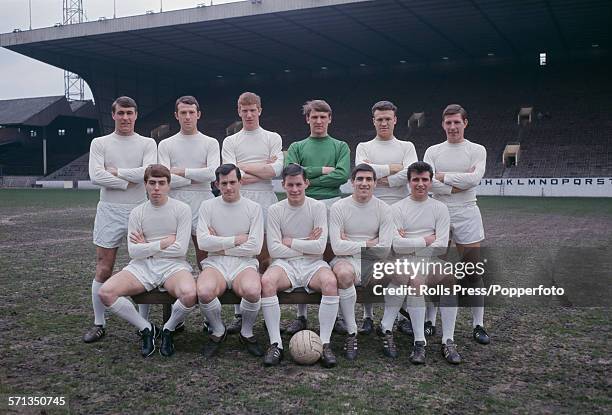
[(568, 134)]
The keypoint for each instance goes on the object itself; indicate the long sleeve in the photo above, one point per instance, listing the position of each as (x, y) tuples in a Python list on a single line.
[(206, 174), (144, 250), (468, 180), (341, 171), (252, 246), (274, 237), (361, 154), (339, 245), (277, 151), (401, 177), (404, 246), (293, 156), (183, 235), (314, 247), (163, 158), (136, 175), (97, 171), (206, 241), (228, 154), (387, 228), (437, 187)]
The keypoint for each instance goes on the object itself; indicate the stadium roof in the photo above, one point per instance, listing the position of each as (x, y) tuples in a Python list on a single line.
[(41, 111), (239, 39)]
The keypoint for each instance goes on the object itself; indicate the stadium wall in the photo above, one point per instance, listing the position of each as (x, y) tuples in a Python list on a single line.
[(547, 187), (540, 187)]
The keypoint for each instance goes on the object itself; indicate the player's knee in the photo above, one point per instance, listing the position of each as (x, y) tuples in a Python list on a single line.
[(205, 294), (252, 293), (329, 285), (268, 285), (189, 297), (344, 276), (107, 296)]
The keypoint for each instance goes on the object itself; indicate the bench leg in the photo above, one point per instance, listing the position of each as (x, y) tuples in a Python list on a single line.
[(167, 312)]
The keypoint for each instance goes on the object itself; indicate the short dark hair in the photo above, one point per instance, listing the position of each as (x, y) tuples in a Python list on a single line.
[(362, 167), (384, 106), (249, 98), (419, 167), (125, 102), (157, 170), (186, 99), (316, 105), (293, 169), (225, 169), (453, 109)]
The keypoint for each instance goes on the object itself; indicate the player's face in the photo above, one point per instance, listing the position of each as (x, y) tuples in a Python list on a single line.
[(157, 189), (319, 122), (420, 185), (384, 122), (229, 186), (249, 114), (188, 116), (363, 186), (125, 119), (295, 187), (454, 126)]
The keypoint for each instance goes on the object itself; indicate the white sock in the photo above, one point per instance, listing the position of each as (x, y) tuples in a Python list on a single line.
[(328, 311), (340, 315), (416, 308), (478, 316), (212, 312), (348, 298), (431, 313), (237, 309), (448, 314), (392, 305), (179, 312), (368, 310), (98, 306), (302, 310), (126, 310), (143, 310), (249, 315), (271, 313)]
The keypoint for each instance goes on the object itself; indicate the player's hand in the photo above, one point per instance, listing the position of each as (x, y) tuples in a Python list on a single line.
[(429, 239), (472, 169), (249, 179), (240, 239), (271, 160), (212, 231), (403, 232), (343, 236), (395, 168), (439, 177), (179, 171), (456, 190), (287, 242), (112, 170), (327, 170), (137, 238), (167, 241), (372, 242), (382, 182), (315, 234)]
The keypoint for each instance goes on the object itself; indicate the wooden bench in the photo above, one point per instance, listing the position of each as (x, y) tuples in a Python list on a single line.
[(299, 296)]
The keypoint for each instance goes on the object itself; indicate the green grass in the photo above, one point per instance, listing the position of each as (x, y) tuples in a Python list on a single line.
[(542, 359)]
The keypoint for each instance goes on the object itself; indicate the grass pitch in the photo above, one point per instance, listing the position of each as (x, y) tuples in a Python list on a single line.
[(545, 359)]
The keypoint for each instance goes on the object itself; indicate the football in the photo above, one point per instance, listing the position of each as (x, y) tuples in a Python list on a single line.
[(305, 347)]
